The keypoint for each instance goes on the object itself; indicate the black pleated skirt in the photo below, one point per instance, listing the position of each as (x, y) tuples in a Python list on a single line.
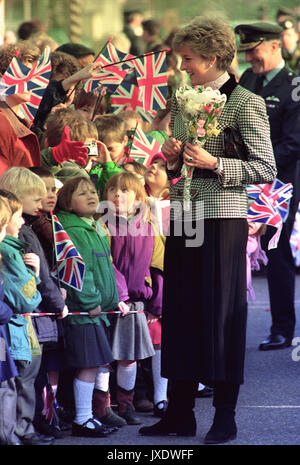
[(87, 346), (204, 304)]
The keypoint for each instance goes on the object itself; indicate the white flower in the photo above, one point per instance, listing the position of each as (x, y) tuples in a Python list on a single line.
[(192, 101)]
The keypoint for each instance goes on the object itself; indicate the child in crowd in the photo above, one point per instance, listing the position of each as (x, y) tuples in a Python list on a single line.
[(31, 189), (132, 119), (86, 345), (255, 254), (113, 137), (53, 352), (158, 187), (67, 129), (84, 104), (139, 278), (8, 370), (160, 126), (112, 132), (21, 293), (136, 168)]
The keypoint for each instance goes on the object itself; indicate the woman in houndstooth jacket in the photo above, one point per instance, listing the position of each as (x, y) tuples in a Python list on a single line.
[(205, 304)]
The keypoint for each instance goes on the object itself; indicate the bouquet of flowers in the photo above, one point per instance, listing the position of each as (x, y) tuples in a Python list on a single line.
[(200, 108)]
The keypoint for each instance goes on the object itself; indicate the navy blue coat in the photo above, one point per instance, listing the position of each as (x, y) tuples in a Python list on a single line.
[(52, 301), (283, 110), (7, 365)]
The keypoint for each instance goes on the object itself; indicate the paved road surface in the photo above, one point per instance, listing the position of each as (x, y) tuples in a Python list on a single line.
[(269, 404)]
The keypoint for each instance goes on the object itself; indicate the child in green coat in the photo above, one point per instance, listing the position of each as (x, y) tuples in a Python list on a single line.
[(87, 348)]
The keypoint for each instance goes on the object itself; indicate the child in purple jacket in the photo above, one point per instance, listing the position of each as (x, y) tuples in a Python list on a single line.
[(137, 253)]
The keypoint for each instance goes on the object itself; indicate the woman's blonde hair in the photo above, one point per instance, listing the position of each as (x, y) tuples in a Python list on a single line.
[(209, 38), (21, 181)]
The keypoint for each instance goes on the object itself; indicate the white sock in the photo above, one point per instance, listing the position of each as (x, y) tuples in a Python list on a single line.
[(102, 379), (160, 383), (83, 393), (54, 389), (126, 376)]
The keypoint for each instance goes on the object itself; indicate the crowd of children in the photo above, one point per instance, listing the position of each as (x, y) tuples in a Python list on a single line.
[(100, 333)]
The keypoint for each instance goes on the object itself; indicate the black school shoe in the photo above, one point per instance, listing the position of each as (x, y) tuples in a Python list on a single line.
[(99, 431), (165, 427), (43, 427)]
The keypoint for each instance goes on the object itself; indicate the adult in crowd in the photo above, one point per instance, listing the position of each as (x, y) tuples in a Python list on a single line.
[(204, 306), (133, 29), (151, 34), (282, 14), (270, 78), (28, 28), (18, 144), (290, 44), (83, 54)]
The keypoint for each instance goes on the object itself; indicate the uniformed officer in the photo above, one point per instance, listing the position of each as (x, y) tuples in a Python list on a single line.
[(269, 77), (290, 44), (282, 14)]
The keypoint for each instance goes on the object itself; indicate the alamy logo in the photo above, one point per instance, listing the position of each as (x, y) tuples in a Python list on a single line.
[(296, 91), (296, 351), (2, 350)]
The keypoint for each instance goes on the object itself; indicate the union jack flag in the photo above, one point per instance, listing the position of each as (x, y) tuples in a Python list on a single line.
[(144, 147), (127, 97), (50, 410), (279, 192), (151, 71), (69, 267), (264, 210), (110, 79), (20, 78)]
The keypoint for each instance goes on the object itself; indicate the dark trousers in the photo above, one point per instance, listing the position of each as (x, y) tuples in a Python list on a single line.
[(281, 275), (8, 412), (26, 394)]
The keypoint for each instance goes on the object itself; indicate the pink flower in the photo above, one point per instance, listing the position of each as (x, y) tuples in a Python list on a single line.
[(201, 132), (201, 123), (208, 109)]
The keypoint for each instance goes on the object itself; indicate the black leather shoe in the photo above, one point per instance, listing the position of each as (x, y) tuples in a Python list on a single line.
[(160, 408), (275, 341), (205, 392), (49, 430), (37, 439), (83, 431), (164, 428)]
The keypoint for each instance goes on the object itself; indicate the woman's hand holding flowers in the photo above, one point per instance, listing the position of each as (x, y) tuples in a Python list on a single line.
[(197, 157)]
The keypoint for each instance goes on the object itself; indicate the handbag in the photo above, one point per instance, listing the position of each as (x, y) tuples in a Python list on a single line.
[(233, 146)]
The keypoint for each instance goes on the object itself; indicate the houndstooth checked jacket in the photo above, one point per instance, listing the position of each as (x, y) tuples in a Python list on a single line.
[(225, 196)]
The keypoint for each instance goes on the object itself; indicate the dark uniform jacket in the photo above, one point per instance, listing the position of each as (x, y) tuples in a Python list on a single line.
[(283, 109)]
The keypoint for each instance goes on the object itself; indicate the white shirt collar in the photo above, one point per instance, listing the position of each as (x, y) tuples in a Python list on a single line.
[(217, 83)]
